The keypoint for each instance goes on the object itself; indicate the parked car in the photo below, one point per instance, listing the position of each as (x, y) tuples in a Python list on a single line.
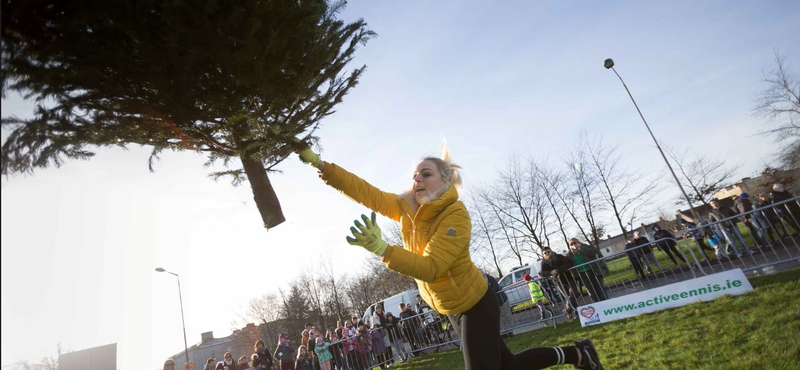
[(392, 304), (514, 285)]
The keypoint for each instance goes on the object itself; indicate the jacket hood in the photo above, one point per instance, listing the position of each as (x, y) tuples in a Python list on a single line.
[(441, 198)]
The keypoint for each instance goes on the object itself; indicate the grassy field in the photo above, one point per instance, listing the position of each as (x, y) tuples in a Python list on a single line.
[(757, 330)]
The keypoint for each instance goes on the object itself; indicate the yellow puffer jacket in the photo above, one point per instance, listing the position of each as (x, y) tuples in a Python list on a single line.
[(436, 239)]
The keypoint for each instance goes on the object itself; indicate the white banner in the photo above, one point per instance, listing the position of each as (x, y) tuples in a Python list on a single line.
[(704, 288)]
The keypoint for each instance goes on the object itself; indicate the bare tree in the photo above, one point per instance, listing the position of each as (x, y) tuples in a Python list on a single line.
[(625, 192), (779, 103), (46, 363), (486, 227), (334, 296), (583, 193), (264, 311), (517, 198), (551, 188), (700, 174)]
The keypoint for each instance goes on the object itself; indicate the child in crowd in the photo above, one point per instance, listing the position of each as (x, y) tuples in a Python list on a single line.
[(378, 345), (323, 354), (304, 361), (538, 297)]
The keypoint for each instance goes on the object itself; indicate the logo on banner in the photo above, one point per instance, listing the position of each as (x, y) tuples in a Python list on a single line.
[(592, 316)]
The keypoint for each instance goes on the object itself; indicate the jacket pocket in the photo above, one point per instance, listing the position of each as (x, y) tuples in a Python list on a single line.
[(455, 287)]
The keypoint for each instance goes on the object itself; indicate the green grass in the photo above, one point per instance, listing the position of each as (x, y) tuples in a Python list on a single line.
[(756, 330)]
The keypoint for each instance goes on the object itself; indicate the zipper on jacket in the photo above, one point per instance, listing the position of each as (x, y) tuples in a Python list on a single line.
[(453, 283)]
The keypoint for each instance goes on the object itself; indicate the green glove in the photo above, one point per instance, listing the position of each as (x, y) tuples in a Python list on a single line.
[(306, 154), (368, 236)]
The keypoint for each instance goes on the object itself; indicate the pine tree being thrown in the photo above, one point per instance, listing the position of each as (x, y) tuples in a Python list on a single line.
[(232, 79)]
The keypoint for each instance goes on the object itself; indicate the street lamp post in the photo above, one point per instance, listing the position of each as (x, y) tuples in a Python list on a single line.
[(183, 321), (609, 64)]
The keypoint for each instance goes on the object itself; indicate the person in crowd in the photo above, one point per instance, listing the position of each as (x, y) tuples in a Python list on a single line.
[(379, 349), (169, 364), (789, 211), (210, 364), (436, 227), (265, 360), (728, 227), (229, 361), (284, 353), (666, 241), (593, 274), (697, 236), (243, 363), (377, 315), (635, 257), (364, 345), (349, 346), (648, 257), (349, 329), (312, 342), (426, 319), (323, 354), (356, 322), (393, 331), (716, 242), (770, 217), (304, 337), (221, 366), (334, 348), (379, 318), (751, 220), (502, 301), (303, 361), (409, 325), (538, 297), (556, 265)]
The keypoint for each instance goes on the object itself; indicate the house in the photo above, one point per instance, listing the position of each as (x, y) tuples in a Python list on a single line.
[(615, 244), (95, 358), (239, 343), (763, 184)]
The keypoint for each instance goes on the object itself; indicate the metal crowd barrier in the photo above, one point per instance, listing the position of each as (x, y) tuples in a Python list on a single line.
[(519, 311), (413, 336), (770, 243)]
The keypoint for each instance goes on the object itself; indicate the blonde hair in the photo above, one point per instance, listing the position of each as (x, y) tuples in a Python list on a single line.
[(450, 171)]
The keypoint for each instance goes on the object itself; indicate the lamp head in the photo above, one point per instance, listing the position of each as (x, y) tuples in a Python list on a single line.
[(608, 63), (159, 269)]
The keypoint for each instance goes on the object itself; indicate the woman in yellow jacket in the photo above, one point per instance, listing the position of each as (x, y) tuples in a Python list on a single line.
[(436, 230)]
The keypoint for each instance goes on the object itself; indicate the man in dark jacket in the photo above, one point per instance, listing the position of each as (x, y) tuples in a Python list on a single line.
[(635, 257), (666, 241), (769, 219), (556, 265), (648, 257), (789, 211), (591, 275), (743, 205)]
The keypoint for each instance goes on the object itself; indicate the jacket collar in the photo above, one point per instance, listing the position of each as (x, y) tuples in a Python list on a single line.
[(431, 209)]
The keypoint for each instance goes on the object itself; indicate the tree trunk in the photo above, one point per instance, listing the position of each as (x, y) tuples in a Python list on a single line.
[(263, 193)]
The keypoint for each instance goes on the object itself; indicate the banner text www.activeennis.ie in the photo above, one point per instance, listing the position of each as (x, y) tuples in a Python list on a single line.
[(662, 299)]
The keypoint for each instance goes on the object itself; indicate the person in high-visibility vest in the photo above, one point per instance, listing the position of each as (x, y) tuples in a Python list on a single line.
[(538, 297)]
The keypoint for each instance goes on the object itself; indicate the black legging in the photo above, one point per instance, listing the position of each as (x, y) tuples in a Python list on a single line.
[(479, 329)]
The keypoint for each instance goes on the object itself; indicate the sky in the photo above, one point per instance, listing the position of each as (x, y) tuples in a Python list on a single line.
[(80, 243)]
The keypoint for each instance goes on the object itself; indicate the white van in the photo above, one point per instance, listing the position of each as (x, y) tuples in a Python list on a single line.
[(514, 285), (392, 304)]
